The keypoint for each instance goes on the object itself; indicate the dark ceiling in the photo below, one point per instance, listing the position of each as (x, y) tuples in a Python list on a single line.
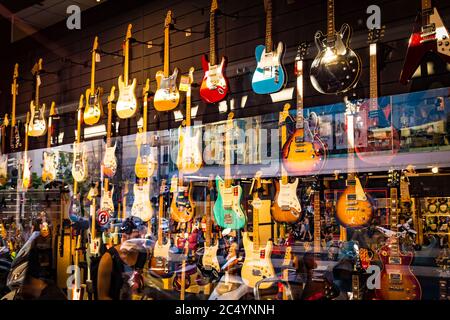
[(17, 5)]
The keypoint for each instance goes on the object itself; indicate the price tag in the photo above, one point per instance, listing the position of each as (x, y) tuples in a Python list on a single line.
[(257, 203), (184, 83)]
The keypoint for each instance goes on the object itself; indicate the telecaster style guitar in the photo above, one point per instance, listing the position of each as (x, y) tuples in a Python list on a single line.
[(429, 35), (93, 110), (167, 95), (79, 164), (214, 86), (51, 158), (126, 106), (269, 76), (38, 125), (109, 162), (228, 212), (15, 138), (336, 68)]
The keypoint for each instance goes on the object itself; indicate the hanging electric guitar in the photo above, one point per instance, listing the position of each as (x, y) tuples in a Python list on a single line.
[(214, 86), (159, 264), (127, 102), (167, 95), (93, 110), (94, 241), (106, 210), (4, 156), (79, 165), (269, 76), (182, 207), (429, 35), (38, 125), (189, 159), (304, 152), (337, 67), (51, 158), (396, 279), (286, 205), (15, 139), (26, 162), (77, 289), (257, 264), (228, 212), (109, 162), (142, 207)]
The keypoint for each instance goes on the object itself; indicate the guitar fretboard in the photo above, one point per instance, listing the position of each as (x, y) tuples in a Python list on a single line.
[(212, 38), (317, 246), (330, 25), (269, 43), (299, 121), (393, 205)]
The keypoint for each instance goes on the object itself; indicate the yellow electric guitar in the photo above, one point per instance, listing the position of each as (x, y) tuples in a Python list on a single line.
[(167, 96), (26, 164), (37, 125), (93, 110), (51, 158), (79, 164), (126, 106), (3, 156)]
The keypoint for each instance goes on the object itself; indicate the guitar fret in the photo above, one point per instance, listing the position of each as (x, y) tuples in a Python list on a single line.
[(331, 26), (212, 39), (269, 44)]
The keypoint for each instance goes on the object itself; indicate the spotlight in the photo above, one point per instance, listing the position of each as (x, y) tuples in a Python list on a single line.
[(435, 170)]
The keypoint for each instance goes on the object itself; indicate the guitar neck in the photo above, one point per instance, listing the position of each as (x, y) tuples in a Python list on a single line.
[(269, 43), (93, 71), (208, 230), (427, 8), (160, 217), (373, 78), (93, 228), (49, 131), (26, 131), (126, 62), (212, 38), (108, 129), (351, 145), (14, 102), (331, 24), (299, 122), (256, 222), (317, 246), (188, 107), (227, 179), (284, 175), (166, 51), (80, 112), (393, 205)]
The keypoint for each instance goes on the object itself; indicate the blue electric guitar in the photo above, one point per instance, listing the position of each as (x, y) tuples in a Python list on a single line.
[(228, 212), (269, 76)]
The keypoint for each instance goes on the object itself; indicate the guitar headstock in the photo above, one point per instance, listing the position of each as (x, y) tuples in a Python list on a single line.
[(16, 72), (284, 114), (146, 89), (258, 176), (268, 5), (6, 121), (112, 95), (214, 6), (376, 34), (80, 103), (53, 109), (211, 183), (302, 51), (191, 75), (168, 21), (129, 35), (393, 178), (95, 46), (163, 189)]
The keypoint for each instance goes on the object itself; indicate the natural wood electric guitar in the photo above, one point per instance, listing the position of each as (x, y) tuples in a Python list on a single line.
[(38, 125), (15, 137), (109, 162), (257, 264), (126, 106), (429, 35), (93, 110), (79, 165), (337, 67), (214, 86), (167, 95), (51, 158)]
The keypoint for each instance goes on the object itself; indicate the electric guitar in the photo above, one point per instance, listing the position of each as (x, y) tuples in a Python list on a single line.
[(443, 262), (257, 264), (214, 86), (93, 110), (109, 162), (269, 76), (77, 291), (228, 212), (189, 159), (79, 165), (304, 152), (106, 210), (4, 156), (286, 206), (396, 279), (142, 207), (182, 207), (38, 125), (26, 162), (94, 241), (429, 35), (160, 261), (15, 139), (51, 158), (167, 96), (337, 67), (126, 106)]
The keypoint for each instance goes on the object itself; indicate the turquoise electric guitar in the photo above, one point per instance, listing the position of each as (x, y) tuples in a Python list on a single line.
[(228, 212), (269, 76)]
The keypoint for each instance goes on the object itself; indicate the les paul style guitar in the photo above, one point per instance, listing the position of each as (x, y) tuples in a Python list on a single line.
[(269, 76), (38, 125), (304, 152), (228, 212), (336, 68), (79, 165), (257, 264), (126, 106), (93, 110), (15, 138), (167, 95), (109, 162), (51, 158), (214, 86), (429, 35)]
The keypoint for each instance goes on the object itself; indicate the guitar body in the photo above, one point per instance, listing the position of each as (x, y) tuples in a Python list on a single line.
[(79, 165), (3, 169), (167, 96), (269, 76), (286, 206), (26, 175), (107, 203), (109, 163), (189, 159), (209, 259), (303, 157), (214, 86), (159, 264), (420, 43), (15, 140), (182, 207), (38, 125), (336, 68), (142, 207), (93, 110), (50, 169), (126, 106), (257, 264), (354, 208), (228, 212), (397, 280), (144, 166)]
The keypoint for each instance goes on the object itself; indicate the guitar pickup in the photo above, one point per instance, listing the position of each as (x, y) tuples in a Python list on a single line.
[(428, 31), (299, 140), (285, 208), (351, 197)]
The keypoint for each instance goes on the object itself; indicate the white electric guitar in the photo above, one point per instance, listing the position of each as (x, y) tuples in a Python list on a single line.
[(142, 207)]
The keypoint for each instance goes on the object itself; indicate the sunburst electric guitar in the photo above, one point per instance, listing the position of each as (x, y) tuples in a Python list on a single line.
[(93, 110), (38, 125), (79, 165), (109, 162), (51, 158), (167, 95)]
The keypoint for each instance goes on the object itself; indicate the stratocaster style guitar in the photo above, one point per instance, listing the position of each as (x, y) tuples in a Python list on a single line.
[(38, 125), (228, 212), (142, 207), (336, 68), (214, 86), (159, 263), (396, 279), (79, 165), (269, 76), (167, 95), (257, 264), (182, 207), (189, 159), (93, 110), (51, 158), (304, 152), (286, 206), (109, 162), (126, 106), (26, 162), (106, 209), (3, 155), (95, 240), (15, 138), (429, 35)]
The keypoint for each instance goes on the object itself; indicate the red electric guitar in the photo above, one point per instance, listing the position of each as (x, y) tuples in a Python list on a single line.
[(429, 34)]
